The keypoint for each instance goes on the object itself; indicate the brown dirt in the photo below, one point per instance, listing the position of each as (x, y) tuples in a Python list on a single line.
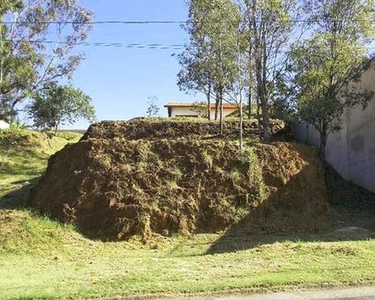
[(144, 128), (115, 188)]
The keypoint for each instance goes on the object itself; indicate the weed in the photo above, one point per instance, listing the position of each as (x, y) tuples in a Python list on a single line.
[(126, 167), (172, 184), (207, 159), (235, 175), (177, 172), (142, 166), (106, 160)]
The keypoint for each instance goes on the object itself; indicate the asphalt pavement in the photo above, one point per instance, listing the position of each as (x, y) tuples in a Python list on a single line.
[(358, 293)]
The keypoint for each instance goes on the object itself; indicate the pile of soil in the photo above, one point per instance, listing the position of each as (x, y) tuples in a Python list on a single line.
[(115, 188), (155, 128)]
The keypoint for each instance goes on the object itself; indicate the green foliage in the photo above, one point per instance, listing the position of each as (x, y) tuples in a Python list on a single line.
[(17, 124), (126, 167), (237, 47), (268, 30), (207, 159), (235, 175), (328, 65), (23, 157), (59, 105), (26, 63), (152, 110), (172, 184), (255, 175), (209, 60)]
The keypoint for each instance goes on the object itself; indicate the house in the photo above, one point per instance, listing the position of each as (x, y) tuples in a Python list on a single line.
[(4, 125), (196, 109)]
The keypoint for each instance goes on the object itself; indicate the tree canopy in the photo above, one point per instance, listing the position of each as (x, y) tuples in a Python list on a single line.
[(328, 64), (289, 56), (60, 105), (37, 42)]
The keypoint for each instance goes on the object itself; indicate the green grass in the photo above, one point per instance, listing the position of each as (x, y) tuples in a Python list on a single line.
[(43, 259), (24, 155)]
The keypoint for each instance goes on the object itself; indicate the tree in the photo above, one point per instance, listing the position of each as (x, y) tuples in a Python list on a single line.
[(268, 27), (210, 58), (60, 105), (153, 109), (328, 65), (196, 73), (37, 39)]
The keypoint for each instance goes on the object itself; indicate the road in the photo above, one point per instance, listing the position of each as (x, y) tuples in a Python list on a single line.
[(360, 293)]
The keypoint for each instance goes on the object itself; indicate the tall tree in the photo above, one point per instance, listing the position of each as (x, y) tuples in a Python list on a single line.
[(269, 28), (37, 42), (329, 63), (212, 27), (60, 105), (153, 109), (196, 71)]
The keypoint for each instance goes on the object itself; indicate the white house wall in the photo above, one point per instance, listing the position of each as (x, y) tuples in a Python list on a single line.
[(184, 111), (4, 125), (188, 111)]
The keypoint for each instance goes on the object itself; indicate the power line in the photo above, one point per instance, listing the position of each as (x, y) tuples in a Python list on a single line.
[(137, 46), (109, 22), (118, 44), (178, 22), (107, 44)]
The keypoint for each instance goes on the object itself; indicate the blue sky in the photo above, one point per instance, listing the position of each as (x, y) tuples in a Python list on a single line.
[(120, 80)]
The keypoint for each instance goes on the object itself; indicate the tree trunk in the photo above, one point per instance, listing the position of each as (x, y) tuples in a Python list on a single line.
[(209, 103), (56, 128), (217, 106), (259, 119), (250, 96), (265, 121), (221, 111), (264, 93), (240, 90), (250, 99), (322, 146)]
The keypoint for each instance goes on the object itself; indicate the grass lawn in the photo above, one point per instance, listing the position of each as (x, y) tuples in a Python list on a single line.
[(42, 259)]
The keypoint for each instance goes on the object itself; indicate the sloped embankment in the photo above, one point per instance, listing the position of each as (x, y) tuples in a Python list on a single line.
[(114, 188), (159, 128)]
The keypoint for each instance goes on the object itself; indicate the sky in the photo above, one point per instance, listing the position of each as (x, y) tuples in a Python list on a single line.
[(120, 80)]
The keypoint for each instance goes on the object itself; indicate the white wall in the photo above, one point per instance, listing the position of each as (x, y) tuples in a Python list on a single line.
[(189, 111), (184, 111), (4, 125), (351, 151)]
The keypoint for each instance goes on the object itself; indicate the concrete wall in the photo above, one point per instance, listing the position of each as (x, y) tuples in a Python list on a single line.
[(193, 112), (351, 151)]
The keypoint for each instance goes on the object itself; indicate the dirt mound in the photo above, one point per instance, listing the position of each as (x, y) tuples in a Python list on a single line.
[(144, 128), (113, 188)]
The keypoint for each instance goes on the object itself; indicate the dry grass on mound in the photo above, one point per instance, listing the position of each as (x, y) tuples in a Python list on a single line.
[(181, 128), (44, 259), (114, 188)]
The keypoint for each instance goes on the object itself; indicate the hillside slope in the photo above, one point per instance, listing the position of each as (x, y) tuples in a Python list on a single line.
[(45, 259), (23, 159), (24, 155), (162, 177)]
